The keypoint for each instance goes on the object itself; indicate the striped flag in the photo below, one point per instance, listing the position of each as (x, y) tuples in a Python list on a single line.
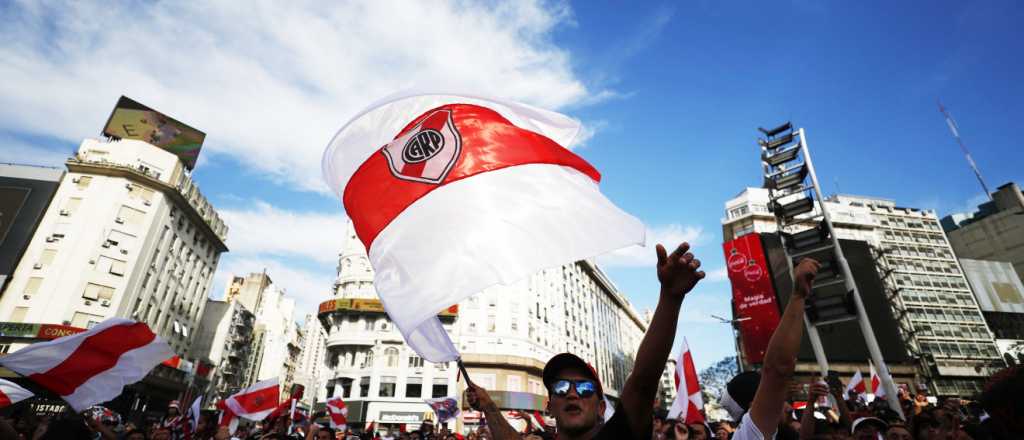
[(453, 194), (338, 412), (256, 402), (11, 393), (688, 401), (93, 366)]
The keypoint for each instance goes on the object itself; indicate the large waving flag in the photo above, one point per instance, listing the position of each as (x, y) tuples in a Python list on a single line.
[(254, 403), (11, 393), (93, 366), (876, 383), (856, 385), (339, 414), (688, 401), (453, 194)]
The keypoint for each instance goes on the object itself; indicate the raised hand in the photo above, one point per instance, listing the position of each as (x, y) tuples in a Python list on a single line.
[(803, 276), (677, 271)]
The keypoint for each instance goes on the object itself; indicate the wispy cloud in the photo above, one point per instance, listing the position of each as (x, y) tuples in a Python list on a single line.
[(267, 230), (13, 150), (668, 235), (270, 83), (308, 287)]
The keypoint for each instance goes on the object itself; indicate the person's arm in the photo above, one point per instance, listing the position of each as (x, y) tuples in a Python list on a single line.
[(844, 407), (815, 391), (104, 430), (479, 400), (678, 274), (780, 357)]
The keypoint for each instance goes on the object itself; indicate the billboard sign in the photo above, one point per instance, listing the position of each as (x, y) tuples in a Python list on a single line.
[(36, 331), (995, 284), (753, 294), (132, 120), (369, 305)]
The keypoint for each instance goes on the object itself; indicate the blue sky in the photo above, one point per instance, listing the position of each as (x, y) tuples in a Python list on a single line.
[(671, 94)]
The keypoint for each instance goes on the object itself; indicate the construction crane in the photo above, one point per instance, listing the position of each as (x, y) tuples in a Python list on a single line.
[(970, 160)]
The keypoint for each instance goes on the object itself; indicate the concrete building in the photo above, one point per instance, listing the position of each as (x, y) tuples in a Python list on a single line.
[(128, 234), (225, 339), (940, 323), (1000, 294), (312, 371), (277, 340), (25, 193), (667, 386), (505, 334), (995, 232)]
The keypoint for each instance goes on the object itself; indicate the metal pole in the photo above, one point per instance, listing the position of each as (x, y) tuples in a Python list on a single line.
[(862, 317)]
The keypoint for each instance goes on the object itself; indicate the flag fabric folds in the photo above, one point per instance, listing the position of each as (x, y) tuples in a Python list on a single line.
[(445, 408), (876, 384), (452, 194), (191, 419), (256, 402), (689, 401), (856, 384), (11, 393), (93, 366), (338, 413)]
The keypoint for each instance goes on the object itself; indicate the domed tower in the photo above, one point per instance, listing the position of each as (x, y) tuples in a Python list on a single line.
[(380, 378)]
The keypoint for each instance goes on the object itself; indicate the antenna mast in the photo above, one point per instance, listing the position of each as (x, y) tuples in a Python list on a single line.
[(970, 160)]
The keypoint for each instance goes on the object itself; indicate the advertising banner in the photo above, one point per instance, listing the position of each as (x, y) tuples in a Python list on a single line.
[(369, 305), (753, 294), (37, 331), (132, 120)]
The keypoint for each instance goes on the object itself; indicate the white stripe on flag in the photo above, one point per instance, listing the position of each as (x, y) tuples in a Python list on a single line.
[(126, 371), (559, 216)]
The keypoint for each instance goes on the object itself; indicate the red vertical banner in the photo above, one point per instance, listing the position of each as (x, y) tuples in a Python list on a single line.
[(753, 294)]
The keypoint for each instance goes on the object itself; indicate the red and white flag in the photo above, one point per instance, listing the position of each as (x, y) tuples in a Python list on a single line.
[(876, 383), (688, 401), (11, 393), (256, 402), (453, 194), (191, 419), (856, 384), (540, 419), (338, 412), (93, 366)]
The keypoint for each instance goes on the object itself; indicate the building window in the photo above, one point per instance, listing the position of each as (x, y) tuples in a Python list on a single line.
[(414, 387), (85, 320), (513, 383), (440, 388), (368, 324), (83, 181), (32, 287), (129, 215), (391, 357), (491, 324), (364, 387), (47, 256), (97, 291), (415, 361), (18, 315), (71, 206), (387, 386)]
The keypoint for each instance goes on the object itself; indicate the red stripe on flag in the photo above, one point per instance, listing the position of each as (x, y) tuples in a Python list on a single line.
[(4, 400), (96, 354), (489, 142)]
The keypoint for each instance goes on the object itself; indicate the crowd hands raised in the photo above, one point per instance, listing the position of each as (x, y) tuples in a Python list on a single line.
[(760, 404)]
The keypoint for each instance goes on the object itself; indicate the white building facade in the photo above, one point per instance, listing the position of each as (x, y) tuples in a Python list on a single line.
[(225, 339), (128, 234), (939, 319), (505, 334), (311, 370), (277, 340)]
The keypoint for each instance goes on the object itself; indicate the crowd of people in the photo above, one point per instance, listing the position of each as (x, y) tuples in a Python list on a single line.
[(761, 405)]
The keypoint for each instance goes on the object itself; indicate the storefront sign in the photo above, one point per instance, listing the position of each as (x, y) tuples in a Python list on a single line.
[(400, 417), (40, 331), (368, 305), (753, 294)]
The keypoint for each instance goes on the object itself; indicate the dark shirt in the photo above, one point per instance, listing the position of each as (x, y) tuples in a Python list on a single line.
[(618, 428)]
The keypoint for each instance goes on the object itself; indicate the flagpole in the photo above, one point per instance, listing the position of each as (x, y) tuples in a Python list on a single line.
[(462, 369)]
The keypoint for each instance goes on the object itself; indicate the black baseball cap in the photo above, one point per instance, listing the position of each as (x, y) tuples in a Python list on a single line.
[(568, 360)]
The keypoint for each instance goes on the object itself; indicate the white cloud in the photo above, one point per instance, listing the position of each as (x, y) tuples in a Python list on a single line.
[(587, 132), (270, 82), (668, 235), (720, 274), (308, 287), (267, 230), (23, 152)]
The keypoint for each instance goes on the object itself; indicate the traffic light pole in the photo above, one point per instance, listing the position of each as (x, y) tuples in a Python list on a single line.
[(862, 318)]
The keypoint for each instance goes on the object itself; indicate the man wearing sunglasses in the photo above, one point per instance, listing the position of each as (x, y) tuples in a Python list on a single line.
[(575, 396)]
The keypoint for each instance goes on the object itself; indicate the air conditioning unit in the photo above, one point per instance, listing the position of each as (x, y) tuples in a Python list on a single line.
[(26, 296), (92, 261), (88, 303), (129, 186), (65, 212), (76, 180), (147, 202), (124, 251), (106, 245), (119, 220), (105, 303), (37, 266), (50, 239)]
